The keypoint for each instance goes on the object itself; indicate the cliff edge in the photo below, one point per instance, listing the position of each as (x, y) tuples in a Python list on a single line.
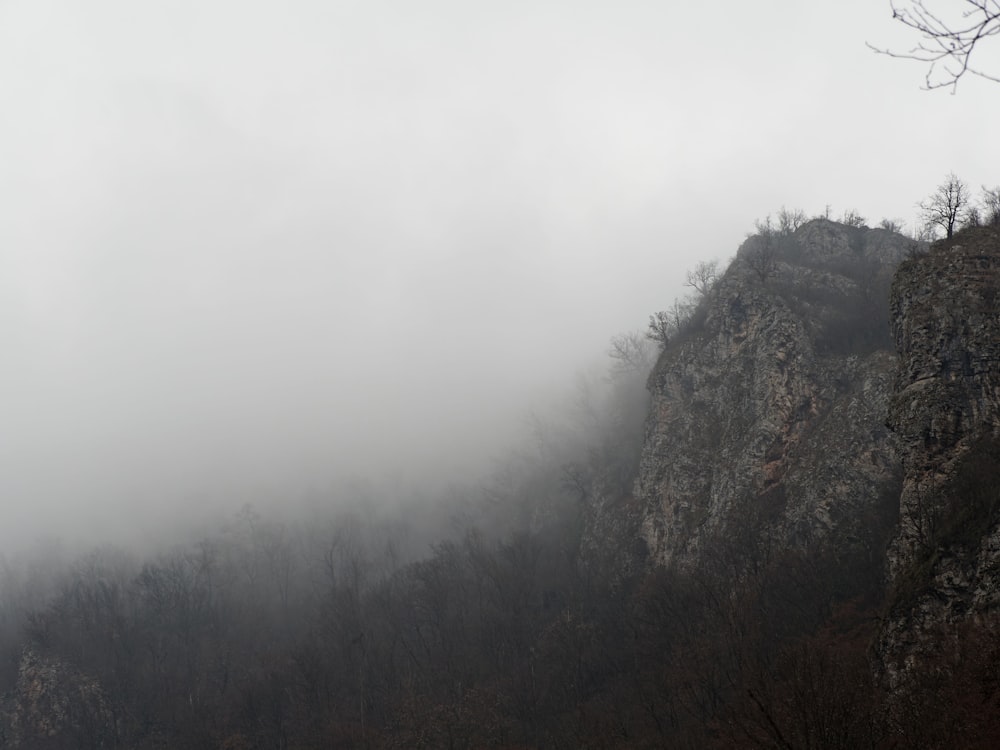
[(944, 563), (767, 422)]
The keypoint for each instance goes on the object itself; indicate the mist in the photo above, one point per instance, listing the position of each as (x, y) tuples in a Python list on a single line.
[(251, 252)]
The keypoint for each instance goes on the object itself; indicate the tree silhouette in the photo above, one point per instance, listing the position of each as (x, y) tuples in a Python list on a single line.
[(946, 205)]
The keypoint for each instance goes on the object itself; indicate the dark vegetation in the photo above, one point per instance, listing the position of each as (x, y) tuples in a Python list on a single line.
[(269, 637), (510, 630)]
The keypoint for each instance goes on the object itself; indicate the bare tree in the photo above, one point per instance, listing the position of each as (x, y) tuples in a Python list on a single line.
[(761, 256), (852, 218), (660, 328), (949, 34), (703, 276), (666, 324), (790, 219), (892, 225), (946, 205), (989, 205), (631, 352), (682, 311)]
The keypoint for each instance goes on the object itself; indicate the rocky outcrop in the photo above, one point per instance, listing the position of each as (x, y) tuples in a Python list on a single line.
[(54, 705), (803, 403), (946, 325), (768, 407), (945, 561)]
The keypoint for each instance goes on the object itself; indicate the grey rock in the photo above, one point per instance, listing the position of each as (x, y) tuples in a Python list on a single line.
[(768, 413), (946, 324)]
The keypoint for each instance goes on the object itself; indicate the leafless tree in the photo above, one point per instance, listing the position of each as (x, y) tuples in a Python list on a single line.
[(989, 205), (790, 219), (666, 324), (852, 218), (681, 312), (892, 225), (703, 276), (949, 33), (660, 328), (946, 206), (761, 256), (631, 352)]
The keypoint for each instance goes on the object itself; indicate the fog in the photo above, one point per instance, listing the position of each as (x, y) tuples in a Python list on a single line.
[(250, 251)]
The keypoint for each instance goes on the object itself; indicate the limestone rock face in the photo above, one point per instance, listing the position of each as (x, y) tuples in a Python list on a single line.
[(946, 324), (945, 561), (768, 411), (803, 399)]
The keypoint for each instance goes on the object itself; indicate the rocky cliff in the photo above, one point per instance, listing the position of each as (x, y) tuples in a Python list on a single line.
[(54, 705), (945, 560), (768, 406), (785, 415), (786, 446)]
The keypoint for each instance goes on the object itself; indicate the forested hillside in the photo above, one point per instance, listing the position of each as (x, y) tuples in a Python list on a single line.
[(705, 568)]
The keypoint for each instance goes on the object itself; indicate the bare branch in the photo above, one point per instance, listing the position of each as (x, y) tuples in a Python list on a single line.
[(761, 255), (631, 352), (703, 276), (946, 206), (989, 204), (790, 219), (852, 218), (946, 44), (660, 328), (666, 324)]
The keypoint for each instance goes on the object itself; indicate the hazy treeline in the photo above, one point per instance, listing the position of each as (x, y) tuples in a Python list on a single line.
[(270, 636), (349, 622), (484, 618)]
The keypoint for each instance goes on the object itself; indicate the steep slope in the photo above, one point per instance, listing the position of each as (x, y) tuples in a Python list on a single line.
[(945, 561), (768, 490), (767, 418)]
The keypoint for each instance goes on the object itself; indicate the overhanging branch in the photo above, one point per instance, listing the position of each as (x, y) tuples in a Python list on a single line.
[(947, 46)]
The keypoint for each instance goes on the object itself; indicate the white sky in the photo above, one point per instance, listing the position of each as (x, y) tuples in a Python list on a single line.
[(252, 247)]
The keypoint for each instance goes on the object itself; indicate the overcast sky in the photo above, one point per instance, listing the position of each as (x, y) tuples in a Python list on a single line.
[(252, 247)]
